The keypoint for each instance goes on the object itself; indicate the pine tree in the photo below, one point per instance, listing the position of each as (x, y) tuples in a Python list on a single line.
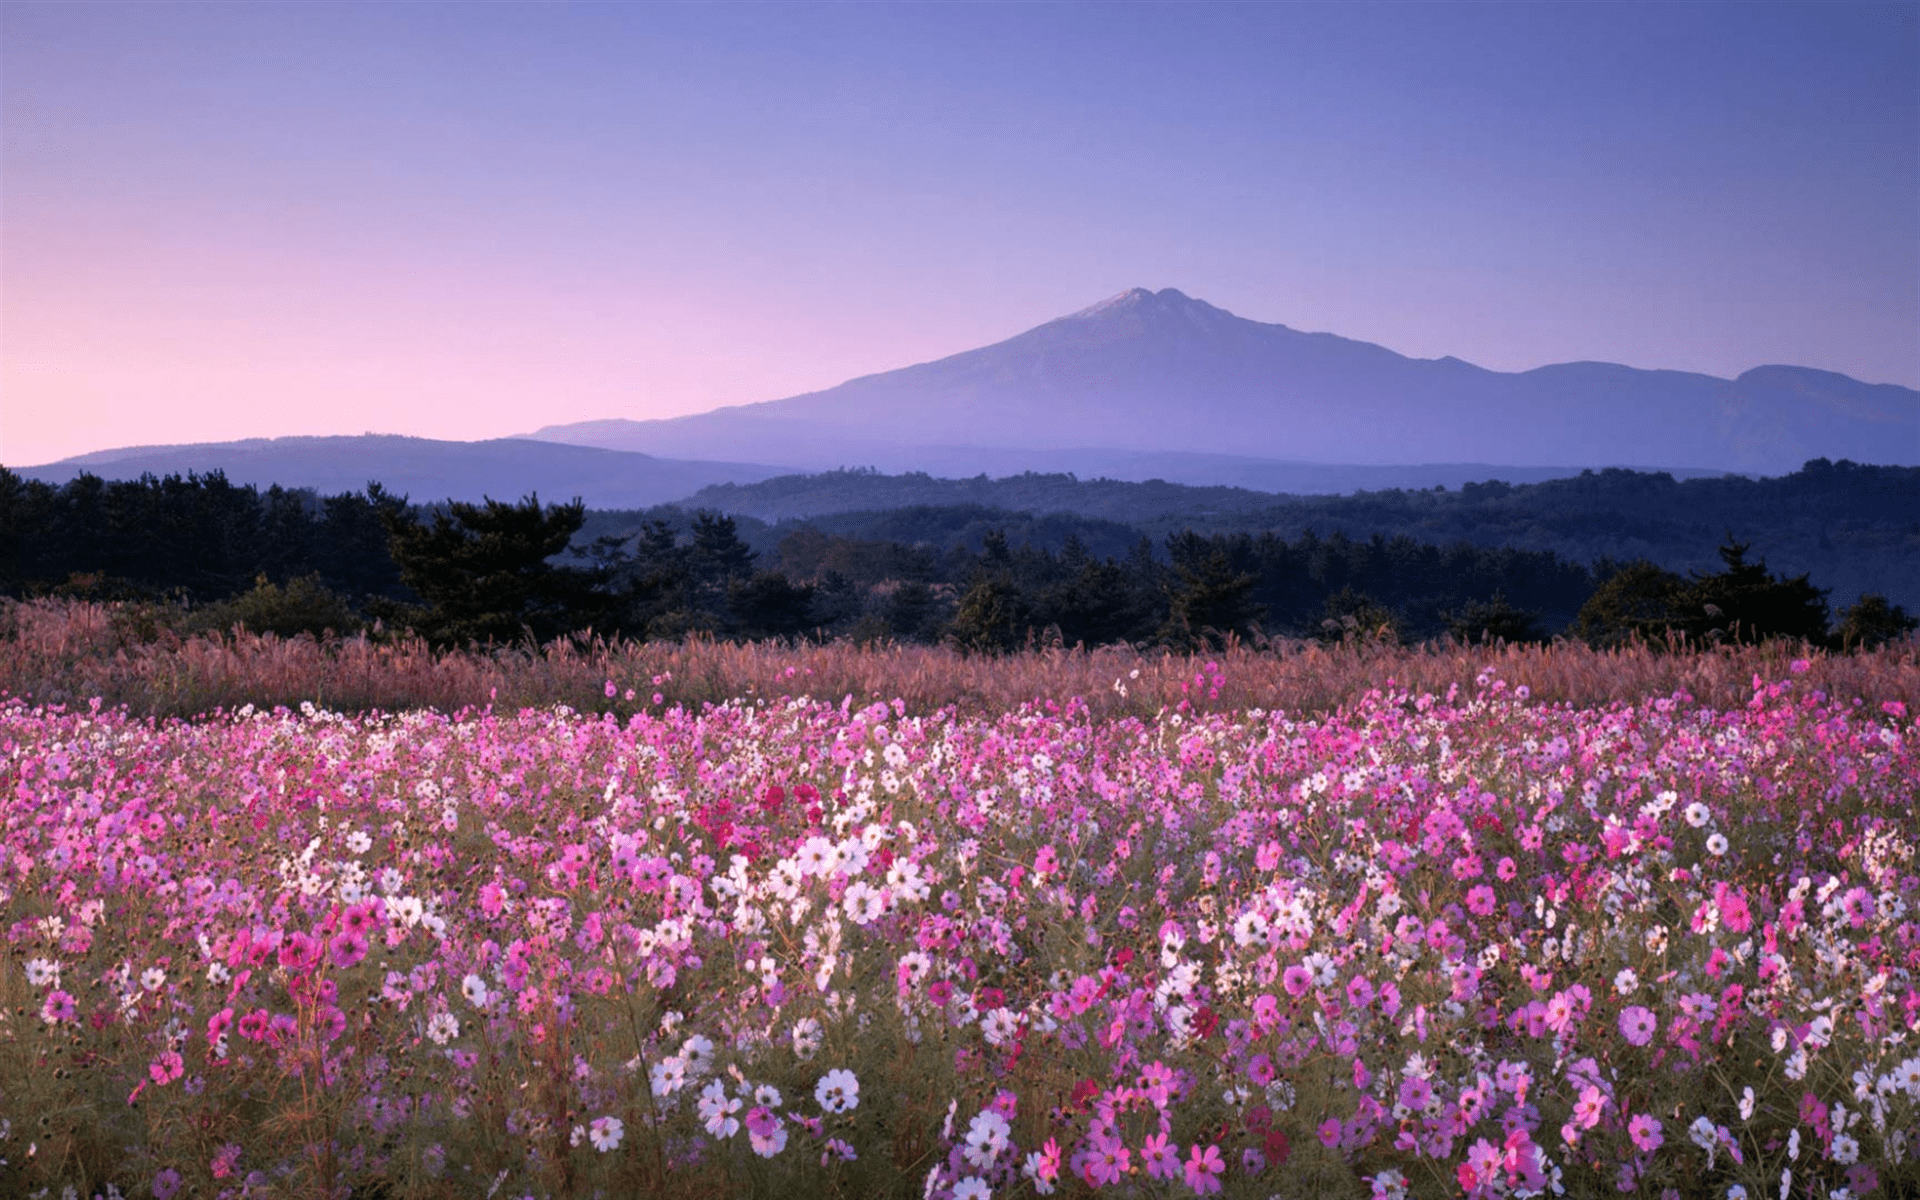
[(483, 570)]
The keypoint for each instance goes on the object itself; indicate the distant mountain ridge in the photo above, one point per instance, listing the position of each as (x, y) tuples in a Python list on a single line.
[(424, 469), (1159, 373)]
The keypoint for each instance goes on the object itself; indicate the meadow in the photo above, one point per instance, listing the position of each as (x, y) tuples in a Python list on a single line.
[(364, 920)]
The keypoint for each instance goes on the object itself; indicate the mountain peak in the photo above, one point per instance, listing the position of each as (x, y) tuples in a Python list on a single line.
[(1141, 299)]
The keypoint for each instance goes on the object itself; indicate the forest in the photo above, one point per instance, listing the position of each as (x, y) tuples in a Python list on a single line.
[(1396, 566)]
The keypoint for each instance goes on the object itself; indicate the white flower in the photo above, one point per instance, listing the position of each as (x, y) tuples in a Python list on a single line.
[(767, 1096), (986, 1139), (999, 1026), (1703, 1134), (668, 1076), (442, 1027), (1624, 981), (43, 972), (605, 1133), (807, 1037), (1716, 846), (1845, 1149), (359, 842), (1696, 814), (697, 1053), (1746, 1105), (1250, 929), (475, 990), (818, 857), (717, 1109), (971, 1188), (838, 1091), (863, 902), (153, 979)]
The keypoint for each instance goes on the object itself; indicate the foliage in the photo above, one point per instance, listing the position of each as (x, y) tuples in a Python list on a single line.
[(1354, 616), (1493, 620), (305, 605), (198, 537), (1743, 602), (1855, 528), (1635, 603), (1873, 622), (1211, 596), (483, 570)]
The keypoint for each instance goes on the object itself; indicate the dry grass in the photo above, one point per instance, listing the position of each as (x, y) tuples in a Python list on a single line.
[(69, 652)]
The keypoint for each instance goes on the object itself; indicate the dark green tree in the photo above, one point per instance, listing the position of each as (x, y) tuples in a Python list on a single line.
[(994, 616), (1744, 603), (718, 556), (1210, 597), (1635, 602), (1493, 620), (768, 605), (1350, 615), (484, 574), (912, 612), (1871, 621)]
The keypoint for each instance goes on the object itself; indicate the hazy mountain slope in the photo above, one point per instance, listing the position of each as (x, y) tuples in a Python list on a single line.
[(1157, 373), (426, 470)]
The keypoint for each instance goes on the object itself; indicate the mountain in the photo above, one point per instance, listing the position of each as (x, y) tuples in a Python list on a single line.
[(425, 470), (1151, 380)]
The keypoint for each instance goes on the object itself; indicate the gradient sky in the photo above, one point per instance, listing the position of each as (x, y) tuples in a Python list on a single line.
[(468, 220)]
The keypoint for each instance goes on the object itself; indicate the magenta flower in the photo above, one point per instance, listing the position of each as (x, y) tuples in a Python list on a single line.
[(225, 1161), (166, 1068), (1204, 1169), (57, 1008)]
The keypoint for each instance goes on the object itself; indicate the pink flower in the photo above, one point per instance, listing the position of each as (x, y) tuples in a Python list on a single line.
[(58, 1007), (1161, 1160), (1587, 1109), (166, 1068), (1645, 1132), (224, 1162), (1637, 1024), (1109, 1161), (1204, 1169), (1296, 980), (1480, 901)]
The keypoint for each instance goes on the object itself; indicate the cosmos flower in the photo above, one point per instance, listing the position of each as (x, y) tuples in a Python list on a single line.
[(605, 1133), (838, 1091)]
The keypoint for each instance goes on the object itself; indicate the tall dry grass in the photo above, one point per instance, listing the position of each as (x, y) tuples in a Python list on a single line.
[(70, 652)]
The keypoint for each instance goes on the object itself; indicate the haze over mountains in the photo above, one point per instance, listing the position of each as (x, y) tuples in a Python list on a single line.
[(1145, 385), (1145, 375), (423, 469)]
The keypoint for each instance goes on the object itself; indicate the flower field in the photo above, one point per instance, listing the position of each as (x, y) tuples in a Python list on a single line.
[(1467, 944)]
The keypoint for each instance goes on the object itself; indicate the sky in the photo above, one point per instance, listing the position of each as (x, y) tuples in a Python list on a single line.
[(468, 220)]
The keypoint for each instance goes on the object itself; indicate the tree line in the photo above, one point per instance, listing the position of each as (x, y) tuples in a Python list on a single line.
[(456, 573)]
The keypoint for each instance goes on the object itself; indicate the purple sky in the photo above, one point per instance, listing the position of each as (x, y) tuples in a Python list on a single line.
[(468, 220)]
